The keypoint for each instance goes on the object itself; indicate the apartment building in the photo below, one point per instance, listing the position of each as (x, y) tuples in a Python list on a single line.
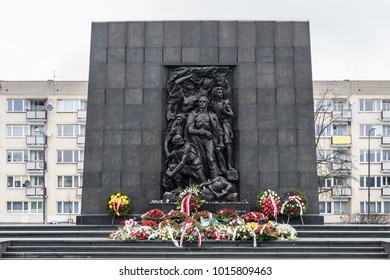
[(42, 148), (352, 125)]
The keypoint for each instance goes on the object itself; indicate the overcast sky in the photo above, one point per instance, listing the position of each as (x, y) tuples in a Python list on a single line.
[(350, 39)]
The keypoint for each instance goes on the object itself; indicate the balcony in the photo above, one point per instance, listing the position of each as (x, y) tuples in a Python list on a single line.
[(342, 166), (80, 166), (385, 191), (34, 191), (79, 191), (80, 140), (386, 115), (82, 115), (385, 166), (36, 140), (341, 140), (34, 165), (36, 116), (385, 141), (341, 191), (342, 115)]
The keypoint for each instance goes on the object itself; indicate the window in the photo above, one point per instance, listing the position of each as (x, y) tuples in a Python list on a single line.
[(17, 156), (338, 105), (375, 207), (68, 207), (16, 181), (385, 104), (31, 207), (375, 156), (37, 105), (17, 105), (18, 130), (323, 155), (70, 156), (69, 181), (71, 105), (340, 129), (385, 181), (325, 207), (386, 130), (370, 105), (70, 130), (322, 105), (375, 181), (325, 182), (323, 130), (340, 207), (386, 207), (365, 129)]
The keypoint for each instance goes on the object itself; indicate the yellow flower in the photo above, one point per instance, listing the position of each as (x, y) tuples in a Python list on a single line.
[(252, 225)]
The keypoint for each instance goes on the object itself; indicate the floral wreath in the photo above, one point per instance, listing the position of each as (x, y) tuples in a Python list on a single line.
[(294, 204), (154, 214), (226, 215), (269, 203), (118, 203), (190, 199)]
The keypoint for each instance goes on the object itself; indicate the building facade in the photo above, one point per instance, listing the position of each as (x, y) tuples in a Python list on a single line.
[(42, 148), (44, 121), (352, 125)]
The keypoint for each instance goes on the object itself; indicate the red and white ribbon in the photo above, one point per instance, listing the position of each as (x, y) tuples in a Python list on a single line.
[(184, 233), (274, 206), (185, 204), (297, 200)]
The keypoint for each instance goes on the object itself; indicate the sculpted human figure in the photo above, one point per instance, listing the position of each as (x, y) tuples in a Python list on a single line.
[(206, 133), (184, 161), (177, 128), (217, 188)]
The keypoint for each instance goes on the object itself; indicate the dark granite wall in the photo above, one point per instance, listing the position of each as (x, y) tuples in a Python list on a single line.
[(272, 100)]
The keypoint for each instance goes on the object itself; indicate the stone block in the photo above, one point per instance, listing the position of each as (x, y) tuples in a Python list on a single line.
[(92, 180), (306, 157), (284, 54), (134, 75), (283, 34), (247, 137), (154, 34), (95, 139), (306, 137), (112, 159), (209, 34), (172, 34), (153, 55), (301, 34), (265, 75), (117, 34), (97, 75), (152, 76), (228, 55), (247, 117), (93, 159), (113, 117), (132, 182), (247, 75), (304, 95), (227, 34), (152, 96), (286, 116), (250, 180), (150, 189), (287, 137), (305, 116), (96, 96), (265, 33), (116, 75), (284, 74), (190, 33), (152, 116), (97, 111), (268, 180), (302, 54), (190, 55), (132, 137), (266, 113), (131, 158), (267, 136), (133, 96), (98, 55), (135, 55), (268, 159), (285, 96), (113, 138), (288, 159), (303, 76), (136, 34), (114, 96), (247, 96), (132, 117), (116, 55), (151, 158), (266, 96), (288, 181), (209, 55), (172, 55), (151, 137), (99, 35), (265, 54), (246, 32), (246, 54), (112, 181)]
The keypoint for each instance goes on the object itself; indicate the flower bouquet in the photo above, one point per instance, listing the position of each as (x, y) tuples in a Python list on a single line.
[(149, 223), (294, 205), (243, 232), (190, 200), (154, 214), (269, 203), (255, 217), (267, 231), (118, 203), (175, 215), (226, 215), (204, 214)]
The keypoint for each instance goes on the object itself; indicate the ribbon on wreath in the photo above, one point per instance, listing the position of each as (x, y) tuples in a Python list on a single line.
[(253, 233), (274, 206), (297, 200), (117, 204), (184, 233), (185, 204)]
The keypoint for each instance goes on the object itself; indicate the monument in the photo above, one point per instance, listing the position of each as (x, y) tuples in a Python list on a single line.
[(224, 104)]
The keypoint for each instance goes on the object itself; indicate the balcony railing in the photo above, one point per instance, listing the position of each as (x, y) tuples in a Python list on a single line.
[(82, 115), (342, 166), (385, 140), (36, 115), (340, 190), (79, 191), (386, 115), (34, 165), (80, 166), (341, 115), (36, 140), (386, 166), (34, 191), (80, 140), (342, 140), (385, 191)]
